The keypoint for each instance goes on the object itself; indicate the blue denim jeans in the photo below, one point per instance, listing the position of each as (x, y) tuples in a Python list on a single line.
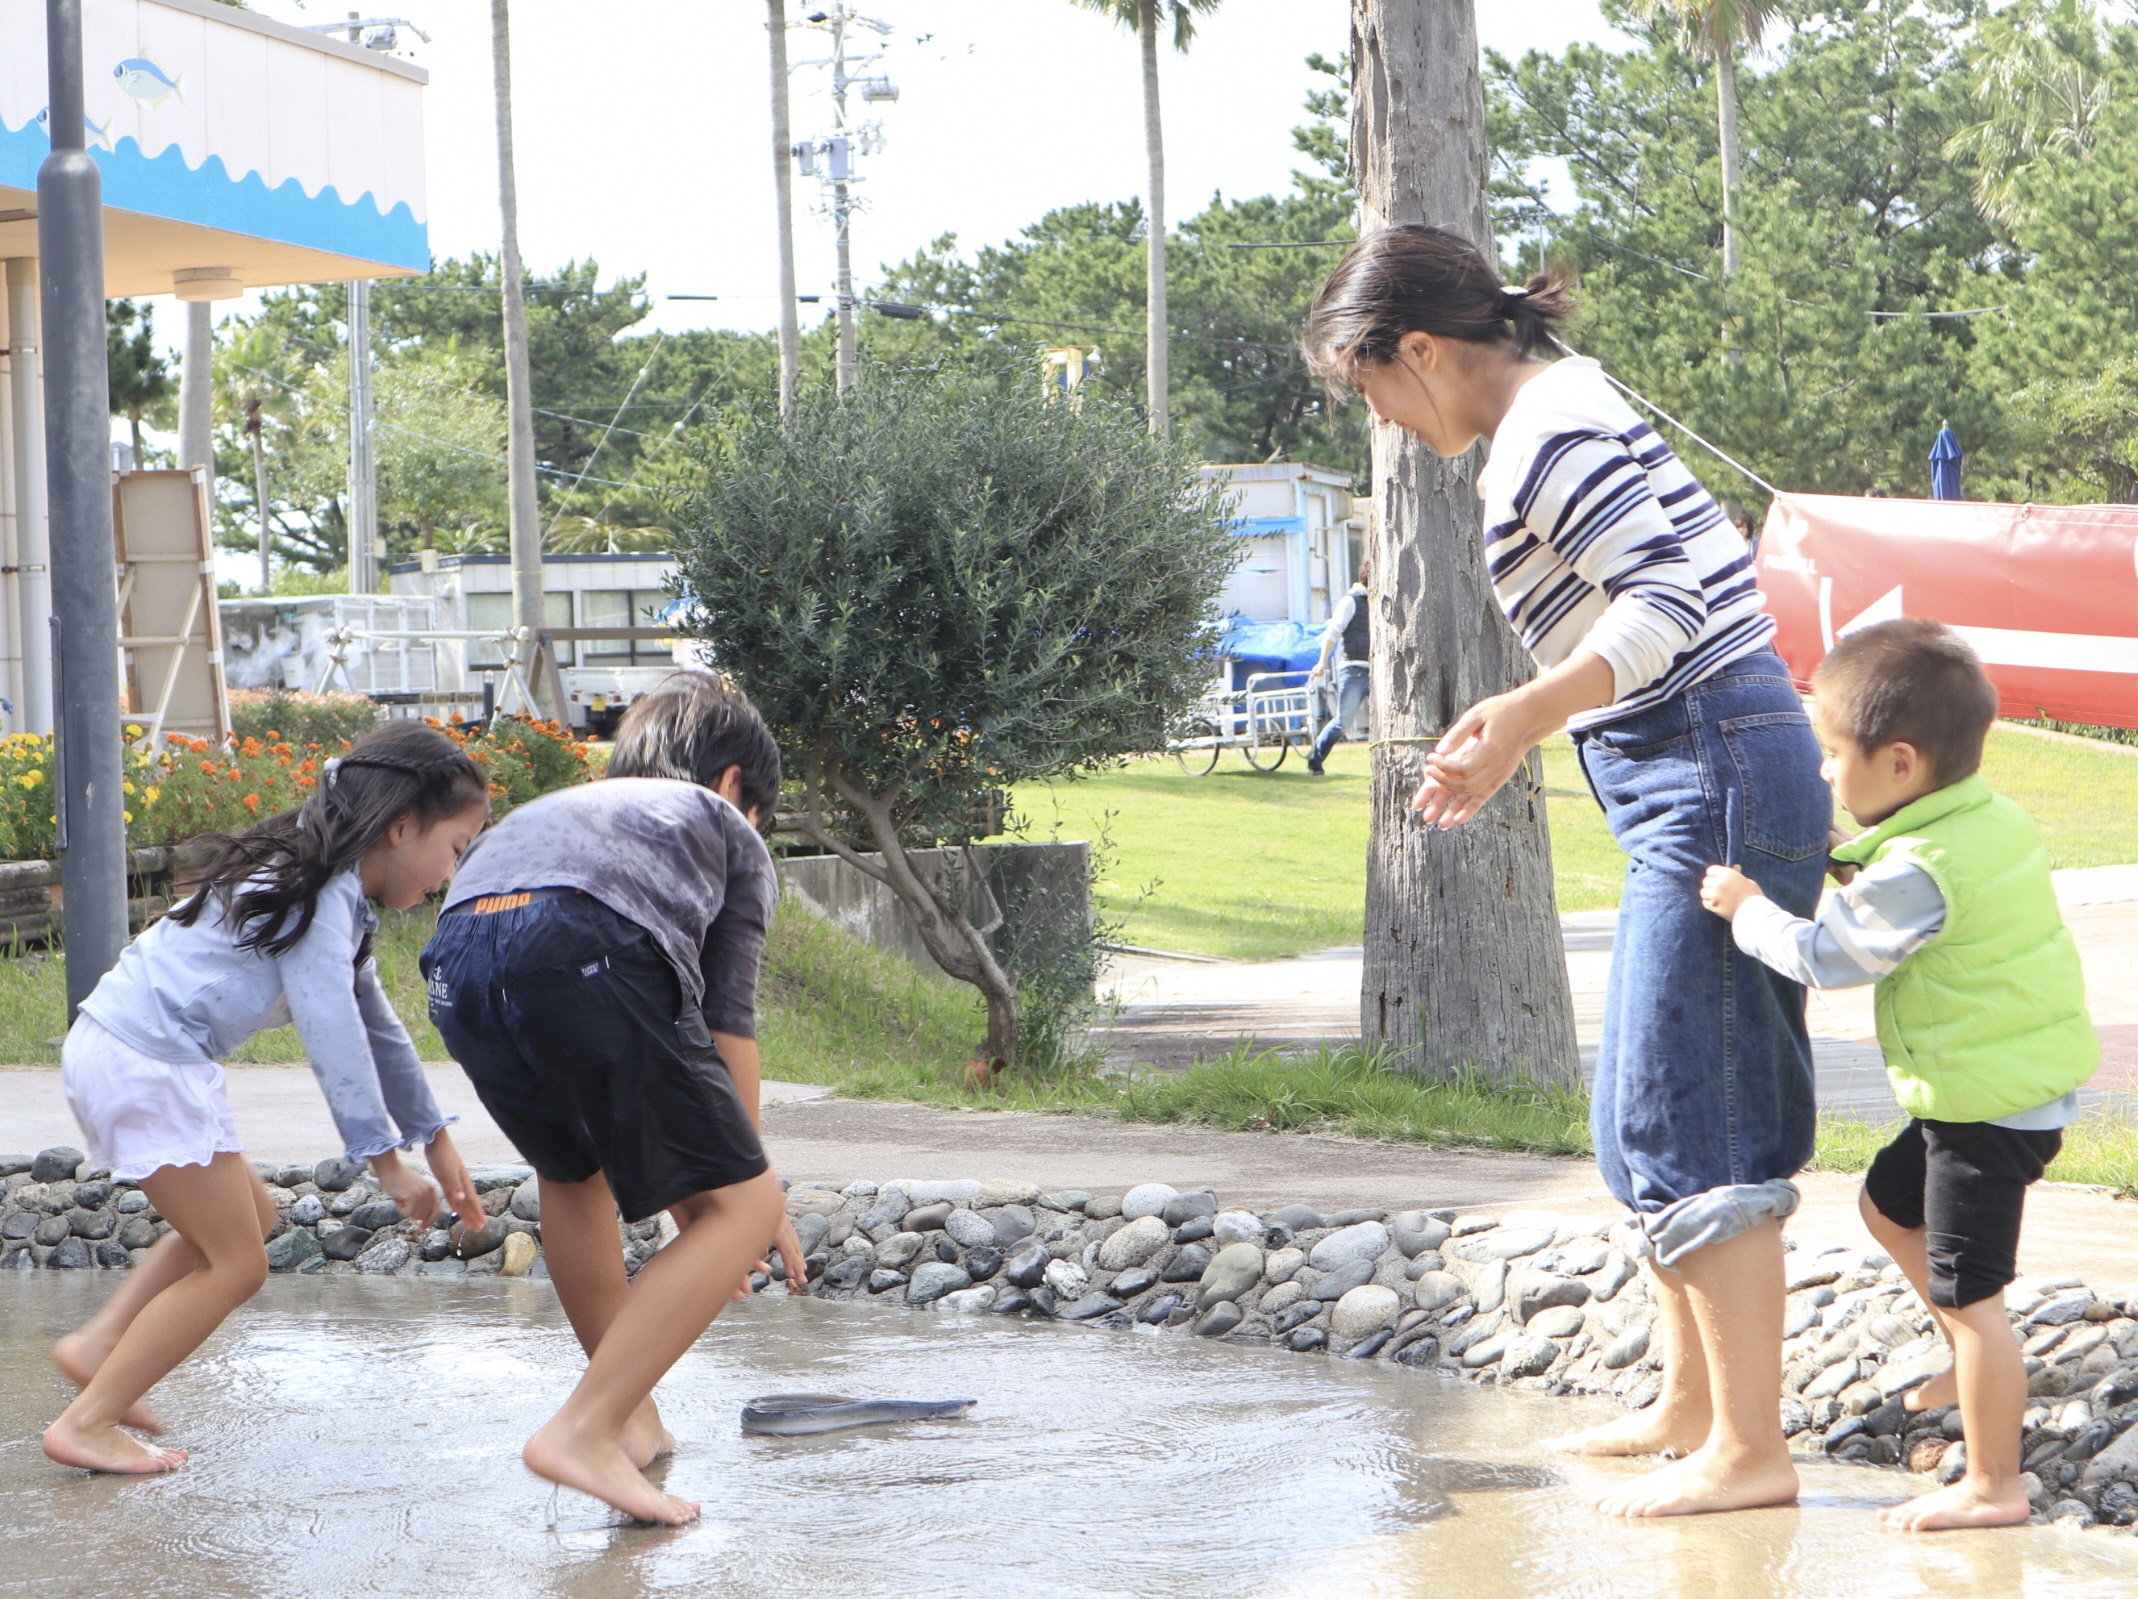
[(1352, 682), (1703, 1103)]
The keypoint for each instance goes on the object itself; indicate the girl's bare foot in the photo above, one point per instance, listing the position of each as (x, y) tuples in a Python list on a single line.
[(107, 1449), (645, 1439), (1705, 1481), (1966, 1503), (1638, 1432), (600, 1468), (1936, 1394), (78, 1362)]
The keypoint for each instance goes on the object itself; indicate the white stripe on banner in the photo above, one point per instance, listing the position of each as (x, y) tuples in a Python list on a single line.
[(2064, 652)]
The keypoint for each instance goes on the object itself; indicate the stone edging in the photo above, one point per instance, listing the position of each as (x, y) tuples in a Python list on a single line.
[(1526, 1299)]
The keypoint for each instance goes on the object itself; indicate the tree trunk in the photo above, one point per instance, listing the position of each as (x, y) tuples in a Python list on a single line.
[(790, 328), (1156, 364), (1465, 966), (1726, 118), (526, 515)]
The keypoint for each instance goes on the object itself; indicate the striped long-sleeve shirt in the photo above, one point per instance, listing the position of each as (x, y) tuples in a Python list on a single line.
[(1597, 537)]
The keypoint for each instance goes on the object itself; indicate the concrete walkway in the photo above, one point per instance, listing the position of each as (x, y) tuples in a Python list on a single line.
[(1171, 1011)]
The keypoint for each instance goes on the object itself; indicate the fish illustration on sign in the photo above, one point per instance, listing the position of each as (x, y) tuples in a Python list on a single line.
[(147, 82), (99, 137)]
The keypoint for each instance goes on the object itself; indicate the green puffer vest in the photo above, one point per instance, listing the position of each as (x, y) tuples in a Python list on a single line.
[(1989, 1018)]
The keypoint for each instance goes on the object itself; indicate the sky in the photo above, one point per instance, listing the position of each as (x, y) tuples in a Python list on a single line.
[(643, 135)]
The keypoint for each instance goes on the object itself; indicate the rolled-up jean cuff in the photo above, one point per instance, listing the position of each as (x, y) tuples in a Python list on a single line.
[(1714, 1217)]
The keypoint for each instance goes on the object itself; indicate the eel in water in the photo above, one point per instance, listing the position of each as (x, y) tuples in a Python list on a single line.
[(802, 1415)]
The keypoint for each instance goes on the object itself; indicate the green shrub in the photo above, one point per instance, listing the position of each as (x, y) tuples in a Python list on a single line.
[(283, 717)]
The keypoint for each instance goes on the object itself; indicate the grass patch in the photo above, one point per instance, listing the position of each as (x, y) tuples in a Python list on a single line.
[(2100, 1149)]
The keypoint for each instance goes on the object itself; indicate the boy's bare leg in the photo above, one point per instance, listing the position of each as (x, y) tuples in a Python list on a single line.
[(1910, 1249), (586, 1263), (1993, 1401), (1735, 1288), (674, 1300), (1683, 1413), (218, 1208), (81, 1352)]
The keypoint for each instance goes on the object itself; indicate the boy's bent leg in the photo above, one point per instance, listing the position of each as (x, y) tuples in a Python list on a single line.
[(586, 1265), (1909, 1247), (1993, 1401), (1735, 1289), (675, 1298)]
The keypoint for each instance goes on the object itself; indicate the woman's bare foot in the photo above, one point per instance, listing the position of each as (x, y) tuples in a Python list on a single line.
[(1638, 1432), (1966, 1503), (78, 1362), (107, 1449), (645, 1439), (601, 1469), (1705, 1481), (1936, 1394)]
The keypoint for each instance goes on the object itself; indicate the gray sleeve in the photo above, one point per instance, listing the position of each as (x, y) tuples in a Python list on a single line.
[(1862, 933), (735, 943), (402, 1083), (319, 978)]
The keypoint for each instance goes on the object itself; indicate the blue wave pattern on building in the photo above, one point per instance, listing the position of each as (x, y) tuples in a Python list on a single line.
[(207, 196)]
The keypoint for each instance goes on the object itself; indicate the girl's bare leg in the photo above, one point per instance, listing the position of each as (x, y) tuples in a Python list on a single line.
[(218, 1209), (676, 1297), (1683, 1413), (81, 1352), (587, 1266)]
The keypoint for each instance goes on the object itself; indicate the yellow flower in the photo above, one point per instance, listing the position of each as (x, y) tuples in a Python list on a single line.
[(30, 779), (129, 815), (128, 785), (153, 791)]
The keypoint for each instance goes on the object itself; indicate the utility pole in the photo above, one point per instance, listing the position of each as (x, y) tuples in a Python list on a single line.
[(790, 328), (33, 582), (196, 392), (519, 400), (255, 427), (363, 512), (838, 153), (1465, 964), (85, 619)]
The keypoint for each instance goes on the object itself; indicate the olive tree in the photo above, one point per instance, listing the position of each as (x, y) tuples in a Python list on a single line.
[(942, 584)]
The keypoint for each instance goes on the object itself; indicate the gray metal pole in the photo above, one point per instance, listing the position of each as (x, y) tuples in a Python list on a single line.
[(33, 587), (85, 621), (526, 515), (196, 392), (363, 457)]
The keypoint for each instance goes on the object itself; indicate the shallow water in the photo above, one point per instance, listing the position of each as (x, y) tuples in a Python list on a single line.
[(359, 1435)]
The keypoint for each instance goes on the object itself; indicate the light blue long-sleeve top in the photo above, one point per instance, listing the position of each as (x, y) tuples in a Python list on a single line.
[(190, 995), (1863, 931)]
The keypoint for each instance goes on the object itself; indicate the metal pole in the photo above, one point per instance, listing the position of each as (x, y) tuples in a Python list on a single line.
[(256, 425), (363, 458), (526, 518), (196, 392), (33, 587), (842, 201), (85, 622), (790, 328)]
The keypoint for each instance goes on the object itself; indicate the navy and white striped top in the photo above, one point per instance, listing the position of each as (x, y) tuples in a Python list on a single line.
[(1596, 537)]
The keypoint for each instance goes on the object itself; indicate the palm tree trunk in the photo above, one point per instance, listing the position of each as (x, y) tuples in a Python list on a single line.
[(1726, 118), (790, 331), (1465, 964), (1154, 331)]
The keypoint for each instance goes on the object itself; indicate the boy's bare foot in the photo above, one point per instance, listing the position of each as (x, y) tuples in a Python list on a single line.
[(107, 1449), (601, 1469), (1964, 1504), (645, 1439), (1638, 1432), (1706, 1481), (77, 1362), (1936, 1394)]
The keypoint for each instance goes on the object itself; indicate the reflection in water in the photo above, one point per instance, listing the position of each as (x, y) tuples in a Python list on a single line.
[(358, 1435)]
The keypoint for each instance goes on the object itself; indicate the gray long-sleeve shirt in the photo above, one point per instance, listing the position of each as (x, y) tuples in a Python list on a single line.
[(1863, 931), (189, 995)]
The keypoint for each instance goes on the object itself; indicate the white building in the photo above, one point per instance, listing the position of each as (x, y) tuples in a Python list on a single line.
[(1300, 544)]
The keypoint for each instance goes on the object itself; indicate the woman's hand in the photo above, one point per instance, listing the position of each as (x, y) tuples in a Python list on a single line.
[(414, 1194), (452, 1174), (1476, 756)]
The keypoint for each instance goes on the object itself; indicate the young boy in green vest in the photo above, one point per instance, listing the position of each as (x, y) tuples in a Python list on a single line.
[(1946, 905)]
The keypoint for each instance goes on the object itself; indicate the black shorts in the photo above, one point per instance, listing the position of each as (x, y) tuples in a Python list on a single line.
[(1966, 1182), (569, 1021)]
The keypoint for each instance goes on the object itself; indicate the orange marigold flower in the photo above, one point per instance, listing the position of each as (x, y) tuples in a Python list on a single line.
[(252, 802)]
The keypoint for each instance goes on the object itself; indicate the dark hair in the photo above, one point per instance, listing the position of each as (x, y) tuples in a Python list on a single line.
[(1911, 681), (1416, 279), (694, 726), (280, 865)]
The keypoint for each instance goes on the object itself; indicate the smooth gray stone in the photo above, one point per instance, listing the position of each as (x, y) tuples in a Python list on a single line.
[(136, 1232), (1189, 1207), (969, 1228), (352, 1199), (1028, 1267), (1188, 1266), (385, 1213), (1010, 1301), (1013, 1222), (1533, 1291), (20, 1225), (932, 1281), (1370, 1345), (22, 1258), (1231, 1272), (1436, 1290), (16, 1161), (345, 1244), (847, 1272), (387, 1255), (489, 1178), (1490, 1291), (1351, 1218), (888, 1211), (91, 1224), (1305, 1340), (1529, 1356), (1334, 1285), (1298, 1316), (983, 1263), (953, 1191), (1194, 1230), (51, 1229), (56, 1199), (1146, 1199), (133, 1202), (1557, 1321), (309, 1211), (112, 1254), (56, 1164), (334, 1175), (810, 1230), (70, 1254), (1066, 1199), (1134, 1281), (1504, 1243), (1156, 1310), (1365, 1240), (1131, 1245), (927, 1218), (1043, 1300), (93, 1195), (882, 1281), (1096, 1303), (436, 1245), (1480, 1331), (527, 1200), (1299, 1218), (899, 1249), (291, 1250), (1219, 1319), (1416, 1232), (1626, 1348), (1420, 1265), (289, 1176)]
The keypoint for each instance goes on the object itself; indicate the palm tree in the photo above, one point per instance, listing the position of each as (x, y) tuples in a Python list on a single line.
[(1717, 29), (254, 386), (1143, 16), (2041, 78)]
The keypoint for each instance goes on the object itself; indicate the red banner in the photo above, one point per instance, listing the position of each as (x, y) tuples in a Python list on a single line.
[(2047, 594)]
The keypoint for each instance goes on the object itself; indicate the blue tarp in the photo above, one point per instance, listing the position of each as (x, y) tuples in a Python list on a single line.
[(1271, 646)]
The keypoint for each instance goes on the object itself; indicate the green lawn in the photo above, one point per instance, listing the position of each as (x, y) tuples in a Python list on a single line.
[(1256, 865)]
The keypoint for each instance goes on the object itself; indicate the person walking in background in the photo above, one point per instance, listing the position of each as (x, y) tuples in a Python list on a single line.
[(1348, 637)]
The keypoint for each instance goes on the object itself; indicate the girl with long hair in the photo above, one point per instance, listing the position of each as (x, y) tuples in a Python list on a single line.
[(279, 930)]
